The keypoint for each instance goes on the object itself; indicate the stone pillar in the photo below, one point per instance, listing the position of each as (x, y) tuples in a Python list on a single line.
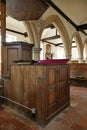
[(85, 60), (36, 53), (68, 57), (80, 60)]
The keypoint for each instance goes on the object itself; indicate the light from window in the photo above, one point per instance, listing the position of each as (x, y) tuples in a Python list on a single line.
[(10, 38)]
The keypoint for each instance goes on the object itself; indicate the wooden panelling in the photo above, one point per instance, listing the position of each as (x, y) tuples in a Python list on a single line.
[(63, 72), (78, 74), (12, 54), (52, 84), (78, 69), (29, 86), (38, 86), (16, 51)]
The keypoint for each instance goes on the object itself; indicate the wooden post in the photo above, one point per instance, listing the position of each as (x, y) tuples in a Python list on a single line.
[(3, 33)]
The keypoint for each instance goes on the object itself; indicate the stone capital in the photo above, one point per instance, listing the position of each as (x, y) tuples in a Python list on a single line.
[(37, 50)]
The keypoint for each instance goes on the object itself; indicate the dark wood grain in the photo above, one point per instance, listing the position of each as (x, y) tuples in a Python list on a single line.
[(25, 9), (43, 87)]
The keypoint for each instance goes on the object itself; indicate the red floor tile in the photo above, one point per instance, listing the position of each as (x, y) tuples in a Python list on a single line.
[(73, 118), (77, 127)]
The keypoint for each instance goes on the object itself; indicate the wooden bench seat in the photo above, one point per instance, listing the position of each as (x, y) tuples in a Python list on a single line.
[(78, 74)]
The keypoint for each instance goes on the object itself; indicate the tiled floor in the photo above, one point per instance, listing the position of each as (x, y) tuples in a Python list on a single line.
[(11, 119), (73, 118)]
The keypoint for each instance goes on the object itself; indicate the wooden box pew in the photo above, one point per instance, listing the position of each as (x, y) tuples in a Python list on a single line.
[(78, 74), (42, 88)]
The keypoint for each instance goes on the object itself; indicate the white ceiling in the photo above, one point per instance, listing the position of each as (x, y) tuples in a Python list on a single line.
[(76, 10)]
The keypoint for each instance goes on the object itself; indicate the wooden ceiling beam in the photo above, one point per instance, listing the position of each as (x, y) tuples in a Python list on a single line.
[(57, 44), (51, 43), (82, 27), (48, 42), (77, 27), (51, 38)]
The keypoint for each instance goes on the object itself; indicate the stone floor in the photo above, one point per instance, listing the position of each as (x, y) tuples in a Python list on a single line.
[(73, 118)]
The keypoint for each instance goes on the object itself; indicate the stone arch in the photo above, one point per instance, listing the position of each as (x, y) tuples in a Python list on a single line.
[(79, 44), (54, 19), (32, 31), (85, 47), (29, 30), (33, 34)]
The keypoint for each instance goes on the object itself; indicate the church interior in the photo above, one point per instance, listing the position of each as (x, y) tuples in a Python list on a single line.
[(43, 64)]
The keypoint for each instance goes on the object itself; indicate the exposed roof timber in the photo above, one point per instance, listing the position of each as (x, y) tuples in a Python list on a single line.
[(57, 44), (24, 34), (73, 41), (48, 42), (82, 27), (78, 28), (51, 38), (84, 32), (74, 46), (61, 12)]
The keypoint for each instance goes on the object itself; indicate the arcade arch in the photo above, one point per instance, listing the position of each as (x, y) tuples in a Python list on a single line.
[(85, 51), (62, 31), (78, 47)]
